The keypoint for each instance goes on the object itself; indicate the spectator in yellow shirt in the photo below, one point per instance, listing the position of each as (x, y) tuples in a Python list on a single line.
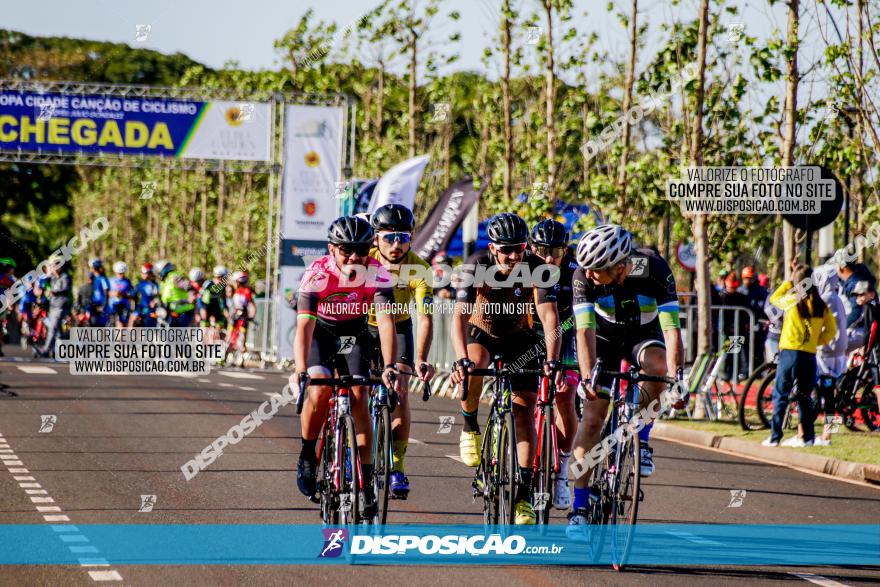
[(807, 324)]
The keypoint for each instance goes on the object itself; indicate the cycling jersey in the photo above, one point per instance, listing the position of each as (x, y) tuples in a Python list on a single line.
[(502, 310), (241, 300), (213, 299), (145, 292), (121, 291), (328, 295), (175, 297), (100, 289), (27, 301), (404, 292), (646, 300)]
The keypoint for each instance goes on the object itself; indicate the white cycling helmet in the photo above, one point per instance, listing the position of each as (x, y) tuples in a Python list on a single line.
[(220, 271), (604, 246), (120, 267), (196, 274)]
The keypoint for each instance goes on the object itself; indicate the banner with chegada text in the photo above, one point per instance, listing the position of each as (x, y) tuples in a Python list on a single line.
[(105, 124), (313, 153)]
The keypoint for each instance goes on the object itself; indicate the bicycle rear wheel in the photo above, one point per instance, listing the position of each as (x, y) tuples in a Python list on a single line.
[(543, 500), (484, 477), (381, 459), (507, 469), (625, 495), (764, 399), (350, 489), (747, 410)]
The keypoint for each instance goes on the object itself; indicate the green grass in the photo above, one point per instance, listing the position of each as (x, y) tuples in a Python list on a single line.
[(859, 447)]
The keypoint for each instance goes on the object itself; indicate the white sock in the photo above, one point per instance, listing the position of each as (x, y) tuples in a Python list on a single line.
[(563, 463)]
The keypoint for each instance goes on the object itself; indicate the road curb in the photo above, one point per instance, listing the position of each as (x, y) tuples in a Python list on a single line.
[(862, 472)]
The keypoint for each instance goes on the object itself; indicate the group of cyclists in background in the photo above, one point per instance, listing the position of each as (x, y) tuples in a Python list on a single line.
[(162, 296)]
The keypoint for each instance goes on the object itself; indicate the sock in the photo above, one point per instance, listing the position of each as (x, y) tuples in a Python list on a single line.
[(524, 489), (308, 449), (581, 498), (563, 464), (645, 433), (399, 455), (470, 421)]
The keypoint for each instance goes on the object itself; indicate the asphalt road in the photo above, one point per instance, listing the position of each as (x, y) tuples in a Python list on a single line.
[(117, 438)]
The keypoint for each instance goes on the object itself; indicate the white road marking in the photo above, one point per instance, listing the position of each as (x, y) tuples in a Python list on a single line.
[(30, 485), (36, 369), (415, 441), (8, 463), (203, 380), (42, 500), (83, 549), (225, 385), (64, 528), (73, 538), (269, 394), (36, 492), (9, 457), (56, 518), (93, 562), (5, 451), (455, 458), (48, 508), (694, 538), (24, 478), (819, 580), (248, 388), (105, 576), (19, 470), (240, 375)]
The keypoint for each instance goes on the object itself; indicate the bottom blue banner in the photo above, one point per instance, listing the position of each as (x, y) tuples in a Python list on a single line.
[(645, 544)]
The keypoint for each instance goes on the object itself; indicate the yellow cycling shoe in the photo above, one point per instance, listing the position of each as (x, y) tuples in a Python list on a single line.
[(523, 513), (469, 448)]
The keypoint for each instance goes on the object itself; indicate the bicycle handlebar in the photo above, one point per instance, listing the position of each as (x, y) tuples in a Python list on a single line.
[(636, 377), (344, 380)]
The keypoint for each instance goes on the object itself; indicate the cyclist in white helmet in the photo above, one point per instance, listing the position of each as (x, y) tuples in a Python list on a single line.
[(625, 307), (121, 295)]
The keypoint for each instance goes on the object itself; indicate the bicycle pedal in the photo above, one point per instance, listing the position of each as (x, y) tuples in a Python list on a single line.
[(641, 494)]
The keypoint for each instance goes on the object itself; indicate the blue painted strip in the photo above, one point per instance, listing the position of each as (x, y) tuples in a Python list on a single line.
[(653, 544)]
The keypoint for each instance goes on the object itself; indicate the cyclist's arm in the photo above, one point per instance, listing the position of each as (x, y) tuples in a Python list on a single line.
[(585, 325), (549, 316), (465, 296), (307, 314), (424, 297), (382, 299), (674, 351)]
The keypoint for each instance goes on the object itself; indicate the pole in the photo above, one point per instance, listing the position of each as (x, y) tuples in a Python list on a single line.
[(264, 343)]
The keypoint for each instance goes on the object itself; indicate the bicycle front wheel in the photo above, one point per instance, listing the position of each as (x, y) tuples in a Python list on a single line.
[(507, 469), (326, 491), (764, 399), (626, 493), (350, 486), (747, 408), (543, 500), (382, 448)]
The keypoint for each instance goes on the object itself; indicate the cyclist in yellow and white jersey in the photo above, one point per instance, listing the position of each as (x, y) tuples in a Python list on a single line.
[(393, 224)]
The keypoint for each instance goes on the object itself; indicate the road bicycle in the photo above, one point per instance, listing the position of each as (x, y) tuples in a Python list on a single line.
[(615, 482), (498, 476), (546, 461), (340, 483), (752, 407)]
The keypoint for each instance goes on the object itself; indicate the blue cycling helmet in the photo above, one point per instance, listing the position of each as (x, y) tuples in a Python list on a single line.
[(96, 263), (43, 281)]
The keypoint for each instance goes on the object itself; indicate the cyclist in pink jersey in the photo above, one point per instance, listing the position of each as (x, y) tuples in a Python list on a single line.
[(332, 335)]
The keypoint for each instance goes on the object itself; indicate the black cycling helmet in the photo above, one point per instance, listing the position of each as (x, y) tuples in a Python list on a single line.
[(549, 233), (350, 230), (393, 217), (507, 228)]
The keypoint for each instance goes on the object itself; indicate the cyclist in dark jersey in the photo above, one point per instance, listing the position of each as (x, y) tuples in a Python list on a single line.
[(493, 316), (625, 307), (549, 241), (212, 300)]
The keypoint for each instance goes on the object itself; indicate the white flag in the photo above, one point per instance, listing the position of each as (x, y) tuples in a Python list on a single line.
[(399, 184)]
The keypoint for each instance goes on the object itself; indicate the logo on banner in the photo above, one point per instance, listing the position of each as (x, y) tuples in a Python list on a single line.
[(310, 207), (334, 541), (313, 128), (312, 159), (235, 115)]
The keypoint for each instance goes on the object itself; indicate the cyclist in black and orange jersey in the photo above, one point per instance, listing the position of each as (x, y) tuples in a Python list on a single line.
[(393, 225), (493, 316)]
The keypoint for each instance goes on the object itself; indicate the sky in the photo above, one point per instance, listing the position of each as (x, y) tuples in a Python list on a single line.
[(216, 31)]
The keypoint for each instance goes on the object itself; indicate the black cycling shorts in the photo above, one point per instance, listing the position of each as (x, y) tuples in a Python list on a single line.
[(344, 348), (525, 352), (405, 347), (628, 347)]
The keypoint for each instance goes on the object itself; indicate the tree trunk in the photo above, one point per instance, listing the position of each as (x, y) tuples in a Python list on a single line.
[(380, 101), (790, 120), (701, 229), (413, 61), (627, 104), (221, 201), (505, 93), (550, 94), (203, 248)]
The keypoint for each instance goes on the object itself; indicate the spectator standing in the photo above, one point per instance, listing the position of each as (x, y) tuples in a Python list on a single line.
[(60, 298), (734, 323), (830, 358)]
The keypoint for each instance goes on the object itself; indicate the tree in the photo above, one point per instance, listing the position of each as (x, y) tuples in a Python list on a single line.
[(627, 104)]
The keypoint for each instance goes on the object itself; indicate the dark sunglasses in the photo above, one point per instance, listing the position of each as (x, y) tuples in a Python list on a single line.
[(362, 249), (544, 251), (402, 237), (510, 249)]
